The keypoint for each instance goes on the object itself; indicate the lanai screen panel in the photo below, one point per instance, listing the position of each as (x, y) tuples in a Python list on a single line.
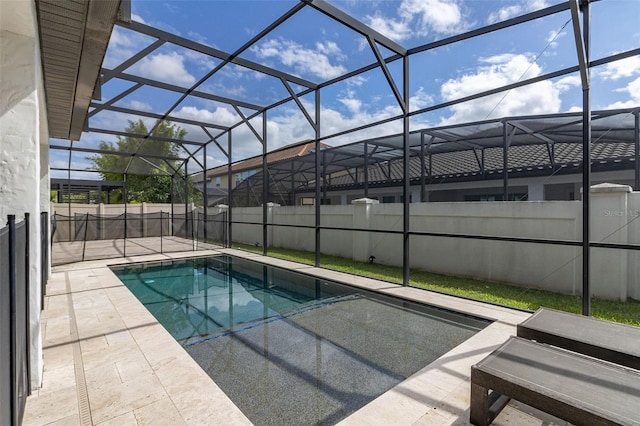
[(217, 119)]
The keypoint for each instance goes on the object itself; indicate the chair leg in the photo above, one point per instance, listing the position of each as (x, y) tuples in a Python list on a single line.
[(479, 412)]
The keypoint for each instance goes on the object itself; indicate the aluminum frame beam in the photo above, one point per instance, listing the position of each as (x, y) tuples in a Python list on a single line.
[(155, 115), (354, 24), (184, 91), (141, 136), (131, 61), (119, 153), (215, 53)]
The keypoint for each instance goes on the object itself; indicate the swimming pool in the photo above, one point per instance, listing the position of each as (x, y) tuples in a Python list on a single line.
[(288, 348)]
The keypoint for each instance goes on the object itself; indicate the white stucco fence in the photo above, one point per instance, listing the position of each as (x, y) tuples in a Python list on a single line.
[(615, 274), (72, 209), (615, 218)]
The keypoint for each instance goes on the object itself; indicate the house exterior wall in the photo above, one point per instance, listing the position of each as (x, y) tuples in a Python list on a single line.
[(24, 173), (543, 188), (235, 179)]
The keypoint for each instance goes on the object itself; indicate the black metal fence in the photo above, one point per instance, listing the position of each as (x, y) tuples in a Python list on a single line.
[(89, 237), (14, 320), (45, 247), (211, 228)]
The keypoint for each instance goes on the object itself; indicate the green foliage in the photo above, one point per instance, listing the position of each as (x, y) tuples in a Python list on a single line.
[(148, 180), (498, 293)]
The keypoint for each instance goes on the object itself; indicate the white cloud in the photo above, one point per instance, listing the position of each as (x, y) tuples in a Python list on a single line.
[(221, 115), (353, 104), (140, 106), (623, 68), (232, 91), (497, 71), (166, 67), (505, 13), (553, 37), (397, 30), (305, 61), (291, 126), (419, 18), (420, 100), (441, 16), (357, 80), (329, 48), (568, 82), (521, 8), (288, 125), (202, 61), (123, 45), (137, 18), (633, 89), (196, 36)]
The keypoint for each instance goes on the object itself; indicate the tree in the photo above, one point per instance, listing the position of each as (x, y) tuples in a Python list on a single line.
[(148, 178)]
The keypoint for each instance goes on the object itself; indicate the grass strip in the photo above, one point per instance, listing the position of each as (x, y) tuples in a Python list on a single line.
[(498, 293)]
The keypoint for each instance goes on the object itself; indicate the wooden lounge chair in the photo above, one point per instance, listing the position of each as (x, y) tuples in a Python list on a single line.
[(605, 340), (574, 387)]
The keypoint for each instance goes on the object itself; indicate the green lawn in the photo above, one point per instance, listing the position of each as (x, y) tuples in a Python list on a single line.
[(503, 294)]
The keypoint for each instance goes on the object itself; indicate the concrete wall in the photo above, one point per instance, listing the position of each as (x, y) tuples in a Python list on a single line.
[(633, 235), (615, 218), (535, 265), (24, 173), (67, 209)]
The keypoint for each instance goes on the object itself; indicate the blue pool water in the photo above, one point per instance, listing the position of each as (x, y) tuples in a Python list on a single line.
[(288, 348)]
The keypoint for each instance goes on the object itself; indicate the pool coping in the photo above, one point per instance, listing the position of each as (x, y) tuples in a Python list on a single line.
[(132, 370)]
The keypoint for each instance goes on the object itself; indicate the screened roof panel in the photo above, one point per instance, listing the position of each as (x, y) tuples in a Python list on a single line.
[(145, 98), (417, 23), (324, 55), (207, 112), (603, 28), (148, 69), (174, 65), (123, 45), (235, 82)]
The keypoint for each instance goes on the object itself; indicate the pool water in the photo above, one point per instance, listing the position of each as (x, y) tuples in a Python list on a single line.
[(288, 348)]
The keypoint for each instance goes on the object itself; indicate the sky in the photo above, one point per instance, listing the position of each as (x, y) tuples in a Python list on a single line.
[(316, 48)]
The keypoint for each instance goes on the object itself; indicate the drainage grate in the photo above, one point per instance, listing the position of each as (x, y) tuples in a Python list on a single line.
[(81, 384)]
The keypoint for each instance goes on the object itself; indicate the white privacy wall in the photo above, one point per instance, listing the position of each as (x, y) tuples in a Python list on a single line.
[(615, 274), (633, 257), (24, 175), (535, 265), (615, 212), (72, 209)]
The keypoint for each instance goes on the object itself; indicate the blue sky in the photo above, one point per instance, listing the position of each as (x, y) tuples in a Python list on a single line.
[(316, 48)]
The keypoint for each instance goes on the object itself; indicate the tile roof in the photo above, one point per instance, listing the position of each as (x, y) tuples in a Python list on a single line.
[(464, 165), (253, 163)]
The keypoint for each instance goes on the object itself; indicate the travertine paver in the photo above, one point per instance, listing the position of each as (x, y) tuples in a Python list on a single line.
[(99, 337)]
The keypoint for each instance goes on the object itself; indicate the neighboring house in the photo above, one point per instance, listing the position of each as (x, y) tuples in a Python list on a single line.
[(218, 178), (464, 162)]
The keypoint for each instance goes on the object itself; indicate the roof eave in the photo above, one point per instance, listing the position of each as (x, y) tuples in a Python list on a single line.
[(82, 33)]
